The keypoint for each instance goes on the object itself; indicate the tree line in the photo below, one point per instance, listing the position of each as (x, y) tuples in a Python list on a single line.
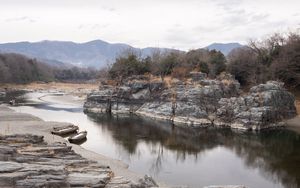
[(16, 68), (175, 63), (275, 58)]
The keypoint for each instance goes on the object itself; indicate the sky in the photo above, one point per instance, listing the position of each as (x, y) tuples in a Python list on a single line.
[(180, 24)]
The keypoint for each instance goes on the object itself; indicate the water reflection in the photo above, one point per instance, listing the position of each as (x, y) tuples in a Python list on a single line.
[(276, 153)]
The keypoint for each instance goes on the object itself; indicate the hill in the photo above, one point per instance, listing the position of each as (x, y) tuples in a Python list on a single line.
[(17, 68), (225, 48)]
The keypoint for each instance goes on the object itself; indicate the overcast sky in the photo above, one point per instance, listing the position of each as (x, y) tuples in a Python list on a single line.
[(182, 24)]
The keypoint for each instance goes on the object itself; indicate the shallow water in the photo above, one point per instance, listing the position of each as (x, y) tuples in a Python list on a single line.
[(181, 156)]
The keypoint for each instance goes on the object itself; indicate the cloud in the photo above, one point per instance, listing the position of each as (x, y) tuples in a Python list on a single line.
[(183, 38), (229, 5), (141, 23), (93, 26), (111, 9), (20, 19)]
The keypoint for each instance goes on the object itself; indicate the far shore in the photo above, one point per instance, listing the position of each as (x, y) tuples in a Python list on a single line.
[(77, 89)]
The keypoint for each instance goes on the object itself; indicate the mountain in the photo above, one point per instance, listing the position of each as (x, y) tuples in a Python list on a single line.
[(55, 63), (95, 53), (225, 48)]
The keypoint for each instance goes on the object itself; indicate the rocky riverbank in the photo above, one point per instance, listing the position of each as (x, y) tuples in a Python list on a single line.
[(27, 161), (31, 157), (197, 102)]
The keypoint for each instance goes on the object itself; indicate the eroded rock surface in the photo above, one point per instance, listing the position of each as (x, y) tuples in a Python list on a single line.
[(200, 102), (266, 105), (27, 161)]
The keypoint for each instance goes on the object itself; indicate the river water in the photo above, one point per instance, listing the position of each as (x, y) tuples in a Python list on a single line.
[(181, 156)]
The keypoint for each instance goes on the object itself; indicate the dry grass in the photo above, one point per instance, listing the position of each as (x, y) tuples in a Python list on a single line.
[(168, 81), (227, 82)]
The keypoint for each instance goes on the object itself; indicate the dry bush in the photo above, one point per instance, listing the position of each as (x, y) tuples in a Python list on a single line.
[(180, 73)]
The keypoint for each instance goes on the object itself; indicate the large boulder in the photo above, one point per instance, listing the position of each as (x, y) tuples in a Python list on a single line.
[(266, 105)]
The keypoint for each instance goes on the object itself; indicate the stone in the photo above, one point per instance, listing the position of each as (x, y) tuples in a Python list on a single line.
[(119, 181), (147, 181), (91, 180), (43, 181), (8, 167)]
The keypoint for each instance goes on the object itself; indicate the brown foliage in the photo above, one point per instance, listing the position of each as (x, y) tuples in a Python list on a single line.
[(180, 73), (275, 58)]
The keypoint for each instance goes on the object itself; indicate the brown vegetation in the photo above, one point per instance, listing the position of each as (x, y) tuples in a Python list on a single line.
[(175, 63), (275, 58)]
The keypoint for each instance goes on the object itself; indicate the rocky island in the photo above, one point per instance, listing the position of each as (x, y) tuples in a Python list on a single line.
[(197, 102)]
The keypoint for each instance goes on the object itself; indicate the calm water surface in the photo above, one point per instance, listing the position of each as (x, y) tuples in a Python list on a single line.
[(180, 156)]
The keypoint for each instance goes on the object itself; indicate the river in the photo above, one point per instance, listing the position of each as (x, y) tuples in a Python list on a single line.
[(180, 156)]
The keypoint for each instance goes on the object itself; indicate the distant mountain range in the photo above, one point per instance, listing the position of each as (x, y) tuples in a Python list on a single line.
[(225, 48), (95, 53)]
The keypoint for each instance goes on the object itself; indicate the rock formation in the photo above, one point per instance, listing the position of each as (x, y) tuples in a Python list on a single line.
[(27, 161), (197, 102)]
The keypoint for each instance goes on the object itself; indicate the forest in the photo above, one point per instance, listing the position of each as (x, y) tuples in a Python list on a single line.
[(16, 68)]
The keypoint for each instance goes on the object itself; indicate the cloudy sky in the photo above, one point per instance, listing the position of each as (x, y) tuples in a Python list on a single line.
[(182, 24)]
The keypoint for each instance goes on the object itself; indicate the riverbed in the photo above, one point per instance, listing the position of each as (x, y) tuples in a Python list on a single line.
[(176, 155)]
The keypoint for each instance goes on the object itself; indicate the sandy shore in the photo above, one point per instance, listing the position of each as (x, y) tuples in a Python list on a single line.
[(294, 124), (12, 122)]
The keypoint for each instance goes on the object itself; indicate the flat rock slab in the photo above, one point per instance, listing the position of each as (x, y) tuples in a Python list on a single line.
[(7, 167), (27, 161)]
